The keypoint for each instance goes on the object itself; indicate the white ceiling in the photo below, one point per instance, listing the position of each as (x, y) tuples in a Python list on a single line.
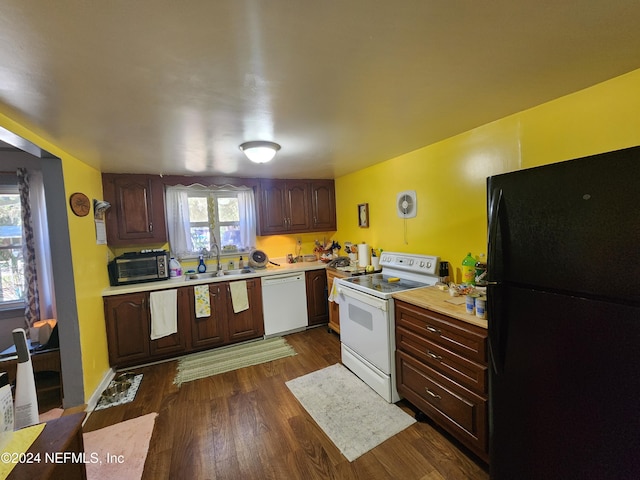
[(160, 86)]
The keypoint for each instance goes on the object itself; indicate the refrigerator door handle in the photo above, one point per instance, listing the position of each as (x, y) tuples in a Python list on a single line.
[(497, 327), (494, 218)]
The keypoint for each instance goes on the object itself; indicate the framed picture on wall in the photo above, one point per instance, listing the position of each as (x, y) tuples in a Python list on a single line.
[(363, 215)]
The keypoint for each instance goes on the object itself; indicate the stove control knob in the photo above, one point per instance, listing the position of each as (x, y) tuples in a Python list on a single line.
[(428, 264), (421, 264), (410, 262)]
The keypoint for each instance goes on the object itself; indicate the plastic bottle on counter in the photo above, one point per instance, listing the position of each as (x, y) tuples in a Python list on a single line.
[(175, 269), (481, 271), (469, 270), (240, 263), (202, 267)]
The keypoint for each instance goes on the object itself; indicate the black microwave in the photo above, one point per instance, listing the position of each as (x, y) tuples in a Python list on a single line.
[(139, 267)]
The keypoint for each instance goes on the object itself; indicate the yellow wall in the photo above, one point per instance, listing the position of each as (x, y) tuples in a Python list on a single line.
[(281, 245), (89, 259), (450, 176)]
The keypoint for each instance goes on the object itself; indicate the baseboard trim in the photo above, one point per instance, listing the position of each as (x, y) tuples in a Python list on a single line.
[(95, 397)]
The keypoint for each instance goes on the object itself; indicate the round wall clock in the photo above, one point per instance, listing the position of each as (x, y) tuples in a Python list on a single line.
[(80, 204)]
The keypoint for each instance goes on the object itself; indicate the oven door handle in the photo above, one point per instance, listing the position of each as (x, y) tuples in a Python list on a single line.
[(363, 297)]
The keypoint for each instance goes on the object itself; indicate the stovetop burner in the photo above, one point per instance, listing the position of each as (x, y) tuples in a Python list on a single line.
[(384, 283), (400, 271)]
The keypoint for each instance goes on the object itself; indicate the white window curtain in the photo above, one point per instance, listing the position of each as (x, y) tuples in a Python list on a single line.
[(247, 207), (178, 216), (178, 221), (42, 246)]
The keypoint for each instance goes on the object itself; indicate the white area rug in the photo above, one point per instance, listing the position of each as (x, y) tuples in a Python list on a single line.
[(353, 416)]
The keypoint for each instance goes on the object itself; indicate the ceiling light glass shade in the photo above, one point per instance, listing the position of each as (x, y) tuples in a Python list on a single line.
[(260, 151)]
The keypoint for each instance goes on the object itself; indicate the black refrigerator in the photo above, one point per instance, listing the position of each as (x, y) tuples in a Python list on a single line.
[(564, 320)]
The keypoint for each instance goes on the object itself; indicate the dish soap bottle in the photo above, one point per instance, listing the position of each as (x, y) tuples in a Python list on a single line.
[(469, 270), (201, 265), (241, 263)]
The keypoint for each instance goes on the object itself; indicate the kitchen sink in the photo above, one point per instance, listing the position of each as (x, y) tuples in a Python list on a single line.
[(198, 276), (239, 271)]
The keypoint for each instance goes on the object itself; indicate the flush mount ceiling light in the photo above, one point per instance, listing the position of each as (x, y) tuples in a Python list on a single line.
[(260, 151)]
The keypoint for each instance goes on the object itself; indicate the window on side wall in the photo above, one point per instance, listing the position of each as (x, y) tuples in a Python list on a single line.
[(11, 262)]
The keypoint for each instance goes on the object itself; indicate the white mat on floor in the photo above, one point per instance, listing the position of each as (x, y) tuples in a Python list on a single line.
[(353, 416)]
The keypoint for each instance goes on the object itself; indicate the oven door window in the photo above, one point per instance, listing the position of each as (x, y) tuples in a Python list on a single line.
[(364, 327)]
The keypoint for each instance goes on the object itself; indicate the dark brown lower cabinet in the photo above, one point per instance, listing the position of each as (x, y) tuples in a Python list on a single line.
[(317, 304), (209, 331), (128, 322), (441, 366), (247, 324)]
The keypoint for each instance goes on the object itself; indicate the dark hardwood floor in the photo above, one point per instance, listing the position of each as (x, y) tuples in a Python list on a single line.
[(246, 424)]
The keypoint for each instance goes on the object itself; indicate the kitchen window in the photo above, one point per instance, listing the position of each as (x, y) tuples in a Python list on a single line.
[(11, 262), (200, 217)]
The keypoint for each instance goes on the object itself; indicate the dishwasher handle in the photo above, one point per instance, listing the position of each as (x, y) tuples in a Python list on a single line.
[(279, 279)]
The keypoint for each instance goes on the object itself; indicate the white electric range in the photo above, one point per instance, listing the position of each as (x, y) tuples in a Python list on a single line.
[(367, 317)]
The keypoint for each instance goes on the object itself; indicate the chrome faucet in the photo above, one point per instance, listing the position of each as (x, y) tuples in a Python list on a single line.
[(218, 264)]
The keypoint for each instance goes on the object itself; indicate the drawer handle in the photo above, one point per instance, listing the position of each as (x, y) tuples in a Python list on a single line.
[(433, 394), (433, 330), (434, 356)]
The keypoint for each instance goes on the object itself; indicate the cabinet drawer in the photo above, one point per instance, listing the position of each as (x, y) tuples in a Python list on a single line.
[(460, 411), (454, 335), (469, 374)]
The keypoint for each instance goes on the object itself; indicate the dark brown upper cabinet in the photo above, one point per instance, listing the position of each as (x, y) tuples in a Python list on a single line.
[(137, 213)]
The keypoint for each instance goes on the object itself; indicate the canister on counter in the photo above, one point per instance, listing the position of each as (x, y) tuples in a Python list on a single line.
[(444, 272), (470, 303), (481, 304)]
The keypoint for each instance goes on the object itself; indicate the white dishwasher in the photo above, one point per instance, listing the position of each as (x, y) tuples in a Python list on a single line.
[(284, 303)]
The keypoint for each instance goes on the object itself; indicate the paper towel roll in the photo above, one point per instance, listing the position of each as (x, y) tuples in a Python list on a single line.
[(363, 254)]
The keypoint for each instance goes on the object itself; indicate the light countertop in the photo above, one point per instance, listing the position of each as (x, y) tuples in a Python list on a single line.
[(432, 298), (185, 281)]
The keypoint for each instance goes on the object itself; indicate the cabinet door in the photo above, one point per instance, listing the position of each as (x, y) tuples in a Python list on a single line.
[(317, 305), (284, 207), (297, 207), (249, 323), (323, 205), (334, 308), (127, 319), (460, 411), (137, 213), (273, 199), (206, 332), (171, 344)]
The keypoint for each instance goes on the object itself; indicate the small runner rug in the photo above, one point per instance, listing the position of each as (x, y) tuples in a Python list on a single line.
[(119, 451), (212, 362), (364, 419)]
